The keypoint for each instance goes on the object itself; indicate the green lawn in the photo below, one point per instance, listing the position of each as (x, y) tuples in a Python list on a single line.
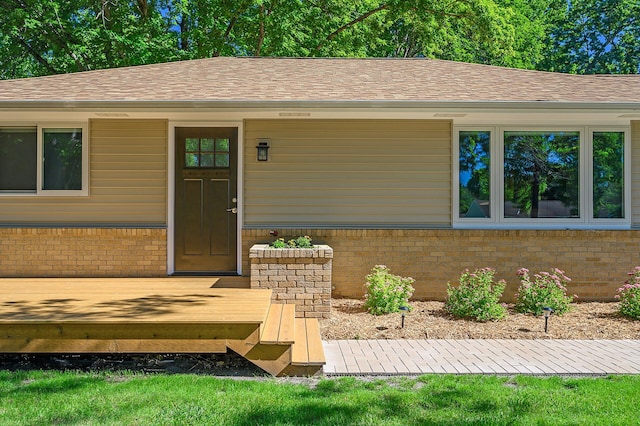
[(129, 399)]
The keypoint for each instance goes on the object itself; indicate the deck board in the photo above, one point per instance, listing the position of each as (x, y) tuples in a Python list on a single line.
[(138, 300), (185, 314)]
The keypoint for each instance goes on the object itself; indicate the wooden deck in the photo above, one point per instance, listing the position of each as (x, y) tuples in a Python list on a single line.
[(144, 315)]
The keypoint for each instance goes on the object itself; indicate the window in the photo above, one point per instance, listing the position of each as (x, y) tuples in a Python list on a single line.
[(608, 175), (18, 159), (541, 174), (43, 161), (207, 152), (475, 174), (541, 178)]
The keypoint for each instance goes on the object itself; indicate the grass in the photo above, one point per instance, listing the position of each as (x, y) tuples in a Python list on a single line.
[(68, 398)]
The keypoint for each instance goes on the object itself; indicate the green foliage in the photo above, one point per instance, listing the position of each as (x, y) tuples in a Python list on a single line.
[(279, 243), (629, 295), (41, 37), (386, 292), (477, 296), (548, 289), (58, 36), (297, 242), (594, 37), (73, 398)]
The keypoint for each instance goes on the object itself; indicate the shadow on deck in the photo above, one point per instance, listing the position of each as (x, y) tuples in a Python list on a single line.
[(156, 315)]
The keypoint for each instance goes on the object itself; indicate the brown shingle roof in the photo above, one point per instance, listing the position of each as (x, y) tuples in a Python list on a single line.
[(322, 79)]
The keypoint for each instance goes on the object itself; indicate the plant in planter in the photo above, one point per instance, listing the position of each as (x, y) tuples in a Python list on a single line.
[(386, 292), (297, 242)]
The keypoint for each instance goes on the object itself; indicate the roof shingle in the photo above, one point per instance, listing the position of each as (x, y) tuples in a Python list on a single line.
[(322, 79)]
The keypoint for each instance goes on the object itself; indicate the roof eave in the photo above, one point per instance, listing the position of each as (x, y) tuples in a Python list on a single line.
[(319, 104)]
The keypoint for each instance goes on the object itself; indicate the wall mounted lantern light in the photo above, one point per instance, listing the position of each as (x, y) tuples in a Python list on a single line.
[(263, 149)]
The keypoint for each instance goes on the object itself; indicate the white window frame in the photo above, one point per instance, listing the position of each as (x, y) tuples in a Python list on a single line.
[(626, 196), (497, 219), (40, 192), (493, 198)]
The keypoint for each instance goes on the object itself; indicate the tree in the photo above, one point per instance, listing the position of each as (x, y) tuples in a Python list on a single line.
[(595, 37), (56, 36), (41, 37)]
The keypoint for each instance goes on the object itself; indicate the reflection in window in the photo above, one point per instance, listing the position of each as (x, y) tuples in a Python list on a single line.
[(541, 174), (608, 175), (62, 163), (206, 152), (18, 159), (475, 174)]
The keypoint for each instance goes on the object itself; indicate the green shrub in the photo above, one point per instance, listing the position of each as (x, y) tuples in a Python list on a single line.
[(297, 242), (477, 296), (548, 289), (279, 243), (630, 295), (386, 292), (301, 242)]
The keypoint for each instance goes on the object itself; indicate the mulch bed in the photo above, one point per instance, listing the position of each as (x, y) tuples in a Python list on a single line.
[(429, 320)]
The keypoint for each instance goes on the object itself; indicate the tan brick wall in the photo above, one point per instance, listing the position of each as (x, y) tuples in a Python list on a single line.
[(597, 261), (298, 276), (82, 252)]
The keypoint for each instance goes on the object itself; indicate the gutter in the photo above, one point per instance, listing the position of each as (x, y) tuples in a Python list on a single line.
[(321, 104)]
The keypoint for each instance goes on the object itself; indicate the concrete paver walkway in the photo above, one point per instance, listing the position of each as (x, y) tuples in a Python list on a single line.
[(505, 357)]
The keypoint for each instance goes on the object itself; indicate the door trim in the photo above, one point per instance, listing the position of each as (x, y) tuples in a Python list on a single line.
[(171, 180)]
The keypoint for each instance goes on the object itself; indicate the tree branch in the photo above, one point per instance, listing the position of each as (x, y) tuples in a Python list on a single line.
[(351, 24), (261, 34), (37, 56)]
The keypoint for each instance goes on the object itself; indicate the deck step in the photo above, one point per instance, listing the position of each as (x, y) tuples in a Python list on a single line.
[(307, 349), (279, 326)]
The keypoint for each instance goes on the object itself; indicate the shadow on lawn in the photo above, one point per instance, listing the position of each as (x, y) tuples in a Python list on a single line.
[(362, 404)]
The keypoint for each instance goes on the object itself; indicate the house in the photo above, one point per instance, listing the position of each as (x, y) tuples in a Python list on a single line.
[(424, 165)]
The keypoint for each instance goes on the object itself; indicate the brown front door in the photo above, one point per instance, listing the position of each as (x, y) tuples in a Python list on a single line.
[(206, 200)]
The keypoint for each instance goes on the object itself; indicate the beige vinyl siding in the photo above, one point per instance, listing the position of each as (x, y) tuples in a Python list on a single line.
[(635, 173), (127, 180), (349, 173)]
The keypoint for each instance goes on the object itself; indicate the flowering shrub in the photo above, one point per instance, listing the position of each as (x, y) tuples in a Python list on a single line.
[(630, 295), (477, 296), (386, 292), (546, 289)]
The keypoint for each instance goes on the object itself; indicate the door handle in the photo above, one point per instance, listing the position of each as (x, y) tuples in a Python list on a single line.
[(233, 210)]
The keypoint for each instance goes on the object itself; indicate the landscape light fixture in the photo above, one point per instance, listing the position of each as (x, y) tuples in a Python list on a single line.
[(547, 313), (403, 309), (263, 149)]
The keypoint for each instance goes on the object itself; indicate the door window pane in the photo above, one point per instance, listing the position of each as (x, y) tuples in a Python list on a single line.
[(475, 174), (222, 145), (207, 152), (18, 159), (541, 174), (207, 145), (192, 145), (207, 160), (222, 160), (62, 162), (608, 175)]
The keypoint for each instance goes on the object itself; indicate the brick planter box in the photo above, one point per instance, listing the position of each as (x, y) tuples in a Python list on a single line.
[(300, 276)]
